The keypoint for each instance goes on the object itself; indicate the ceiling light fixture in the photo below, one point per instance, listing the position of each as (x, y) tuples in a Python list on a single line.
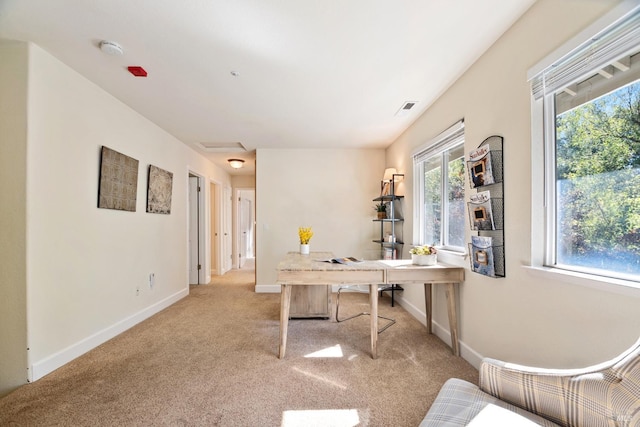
[(236, 163), (111, 48)]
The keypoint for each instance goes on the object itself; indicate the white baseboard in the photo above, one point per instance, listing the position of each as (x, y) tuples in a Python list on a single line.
[(470, 355), (45, 366), (466, 352)]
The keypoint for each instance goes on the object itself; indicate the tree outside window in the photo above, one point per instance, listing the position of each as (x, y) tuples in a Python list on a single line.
[(443, 215), (598, 183)]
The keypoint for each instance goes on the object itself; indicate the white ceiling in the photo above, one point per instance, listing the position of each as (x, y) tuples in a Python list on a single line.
[(311, 73)]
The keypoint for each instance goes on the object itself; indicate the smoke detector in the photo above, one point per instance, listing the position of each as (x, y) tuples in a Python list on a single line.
[(111, 48)]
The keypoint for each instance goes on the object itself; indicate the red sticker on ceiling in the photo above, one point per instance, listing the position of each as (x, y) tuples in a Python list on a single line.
[(137, 71)]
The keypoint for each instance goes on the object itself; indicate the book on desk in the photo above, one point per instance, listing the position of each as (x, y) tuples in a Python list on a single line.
[(343, 260)]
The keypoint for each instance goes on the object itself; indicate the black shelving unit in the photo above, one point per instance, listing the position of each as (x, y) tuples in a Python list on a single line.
[(391, 240)]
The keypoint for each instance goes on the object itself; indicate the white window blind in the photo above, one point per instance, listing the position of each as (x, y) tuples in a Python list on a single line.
[(445, 140), (617, 40)]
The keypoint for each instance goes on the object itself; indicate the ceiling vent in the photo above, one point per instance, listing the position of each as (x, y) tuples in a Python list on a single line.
[(406, 107), (222, 147)]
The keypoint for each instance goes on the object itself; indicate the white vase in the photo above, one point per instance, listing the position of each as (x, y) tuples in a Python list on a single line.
[(424, 259), (304, 249)]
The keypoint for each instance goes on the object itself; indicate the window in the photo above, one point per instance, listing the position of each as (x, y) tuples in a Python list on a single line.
[(590, 100), (439, 211)]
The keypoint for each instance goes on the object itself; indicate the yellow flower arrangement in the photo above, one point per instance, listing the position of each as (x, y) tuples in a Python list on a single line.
[(305, 234)]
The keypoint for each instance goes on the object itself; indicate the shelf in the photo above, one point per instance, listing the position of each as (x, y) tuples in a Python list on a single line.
[(389, 235), (488, 261), (390, 228), (486, 168), (387, 198), (385, 243)]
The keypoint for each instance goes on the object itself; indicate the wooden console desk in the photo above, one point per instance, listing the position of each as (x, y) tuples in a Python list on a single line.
[(298, 269)]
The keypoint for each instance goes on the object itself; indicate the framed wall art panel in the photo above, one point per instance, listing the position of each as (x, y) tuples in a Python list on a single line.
[(118, 181), (159, 190)]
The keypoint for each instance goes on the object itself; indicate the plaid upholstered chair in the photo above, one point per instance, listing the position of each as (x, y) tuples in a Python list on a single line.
[(607, 394)]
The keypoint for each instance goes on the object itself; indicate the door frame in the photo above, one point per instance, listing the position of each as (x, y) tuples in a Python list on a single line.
[(202, 216), (226, 228), (217, 241), (236, 230)]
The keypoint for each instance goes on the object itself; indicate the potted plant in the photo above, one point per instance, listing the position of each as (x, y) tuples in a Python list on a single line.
[(381, 208), (423, 255), (305, 234)]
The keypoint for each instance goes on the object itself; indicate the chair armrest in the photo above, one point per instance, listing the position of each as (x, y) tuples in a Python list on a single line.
[(541, 391), (569, 397), (603, 394)]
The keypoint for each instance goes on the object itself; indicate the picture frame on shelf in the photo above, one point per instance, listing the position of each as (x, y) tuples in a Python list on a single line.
[(479, 167), (481, 212), (385, 189), (482, 260)]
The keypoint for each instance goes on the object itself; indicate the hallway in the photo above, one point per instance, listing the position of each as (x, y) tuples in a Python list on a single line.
[(245, 275)]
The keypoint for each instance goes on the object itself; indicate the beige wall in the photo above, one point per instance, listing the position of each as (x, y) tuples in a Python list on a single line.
[(330, 190), (87, 269), (243, 181), (521, 318), (13, 206)]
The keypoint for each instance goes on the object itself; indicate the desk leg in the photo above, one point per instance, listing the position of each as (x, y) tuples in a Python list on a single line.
[(285, 303), (428, 298), (453, 317), (373, 309)]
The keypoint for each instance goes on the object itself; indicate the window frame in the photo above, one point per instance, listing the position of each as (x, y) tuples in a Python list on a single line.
[(543, 152), (441, 145)]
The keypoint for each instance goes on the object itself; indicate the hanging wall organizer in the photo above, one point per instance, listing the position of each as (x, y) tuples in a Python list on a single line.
[(486, 208)]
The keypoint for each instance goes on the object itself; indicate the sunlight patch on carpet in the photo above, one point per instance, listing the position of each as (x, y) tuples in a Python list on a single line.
[(335, 351), (324, 417), (319, 378)]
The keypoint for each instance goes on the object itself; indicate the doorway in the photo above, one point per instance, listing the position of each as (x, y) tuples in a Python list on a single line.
[(220, 236), (214, 226), (245, 233), (196, 230)]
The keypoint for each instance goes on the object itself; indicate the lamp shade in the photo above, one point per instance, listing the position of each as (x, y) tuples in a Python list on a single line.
[(388, 174)]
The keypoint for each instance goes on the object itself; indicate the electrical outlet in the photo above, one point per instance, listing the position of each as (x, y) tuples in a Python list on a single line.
[(152, 280)]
